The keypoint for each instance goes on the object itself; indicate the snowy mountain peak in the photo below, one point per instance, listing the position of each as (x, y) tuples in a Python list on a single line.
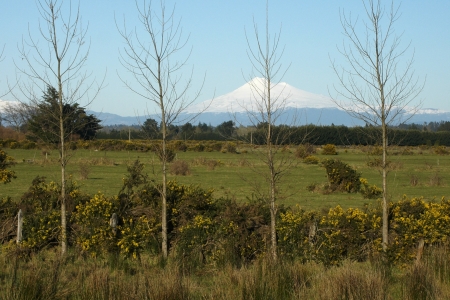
[(4, 104), (246, 98)]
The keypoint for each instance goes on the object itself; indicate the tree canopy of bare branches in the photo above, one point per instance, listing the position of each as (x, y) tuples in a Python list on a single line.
[(377, 84), (268, 107), (16, 115), (56, 57), (153, 55)]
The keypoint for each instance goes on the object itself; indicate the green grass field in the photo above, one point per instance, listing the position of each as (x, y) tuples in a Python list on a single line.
[(238, 175)]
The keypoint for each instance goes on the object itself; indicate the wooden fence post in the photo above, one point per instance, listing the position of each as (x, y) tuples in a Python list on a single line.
[(19, 226), (420, 250), (113, 223)]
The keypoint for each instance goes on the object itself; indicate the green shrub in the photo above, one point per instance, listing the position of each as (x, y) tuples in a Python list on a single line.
[(341, 176), (169, 154), (375, 150), (217, 146), (42, 213), (28, 145), (329, 149), (296, 233), (351, 233), (311, 160), (304, 151), (6, 162), (414, 219), (375, 163), (180, 146), (229, 147), (369, 191), (199, 147)]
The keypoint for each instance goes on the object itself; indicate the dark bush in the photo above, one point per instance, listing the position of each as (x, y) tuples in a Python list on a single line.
[(341, 176), (305, 150)]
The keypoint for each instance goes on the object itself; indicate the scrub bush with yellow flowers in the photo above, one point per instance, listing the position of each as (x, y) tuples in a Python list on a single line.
[(329, 149), (135, 235), (6, 162), (204, 230), (246, 229), (42, 213), (415, 219), (93, 233), (341, 176), (228, 233), (296, 232), (311, 160), (350, 233), (369, 191), (195, 242)]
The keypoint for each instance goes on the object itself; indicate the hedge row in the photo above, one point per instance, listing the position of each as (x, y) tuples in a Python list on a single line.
[(342, 135), (135, 145), (205, 230)]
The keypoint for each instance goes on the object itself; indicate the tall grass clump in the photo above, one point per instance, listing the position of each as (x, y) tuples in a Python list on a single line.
[(419, 283), (350, 281), (438, 259), (263, 280), (266, 280), (33, 280)]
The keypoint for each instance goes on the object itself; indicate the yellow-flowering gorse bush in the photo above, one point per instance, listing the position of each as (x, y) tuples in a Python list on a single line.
[(42, 214), (204, 230), (94, 233), (415, 219)]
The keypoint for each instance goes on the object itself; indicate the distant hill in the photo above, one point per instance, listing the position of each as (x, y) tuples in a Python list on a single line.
[(305, 107)]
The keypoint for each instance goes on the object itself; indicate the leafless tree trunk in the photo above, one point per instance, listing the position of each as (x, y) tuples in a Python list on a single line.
[(58, 64), (151, 55), (268, 107), (376, 84)]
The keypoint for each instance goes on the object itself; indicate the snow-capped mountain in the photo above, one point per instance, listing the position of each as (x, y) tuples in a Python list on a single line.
[(308, 108), (245, 98), (4, 104)]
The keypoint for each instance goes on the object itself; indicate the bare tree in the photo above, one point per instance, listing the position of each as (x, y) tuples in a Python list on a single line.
[(16, 115), (267, 109), (377, 84), (59, 63), (153, 60)]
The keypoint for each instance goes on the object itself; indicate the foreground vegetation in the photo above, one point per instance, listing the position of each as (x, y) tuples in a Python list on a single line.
[(45, 276), (219, 239)]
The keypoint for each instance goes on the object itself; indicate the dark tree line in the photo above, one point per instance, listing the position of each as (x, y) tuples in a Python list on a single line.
[(39, 122), (342, 135), (152, 129), (434, 133)]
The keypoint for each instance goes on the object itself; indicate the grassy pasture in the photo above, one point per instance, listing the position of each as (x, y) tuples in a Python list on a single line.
[(237, 175)]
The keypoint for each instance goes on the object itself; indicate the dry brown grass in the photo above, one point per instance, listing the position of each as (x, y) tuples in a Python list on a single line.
[(180, 167)]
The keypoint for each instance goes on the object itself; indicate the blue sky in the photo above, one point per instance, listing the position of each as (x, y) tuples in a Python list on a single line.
[(311, 31)]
